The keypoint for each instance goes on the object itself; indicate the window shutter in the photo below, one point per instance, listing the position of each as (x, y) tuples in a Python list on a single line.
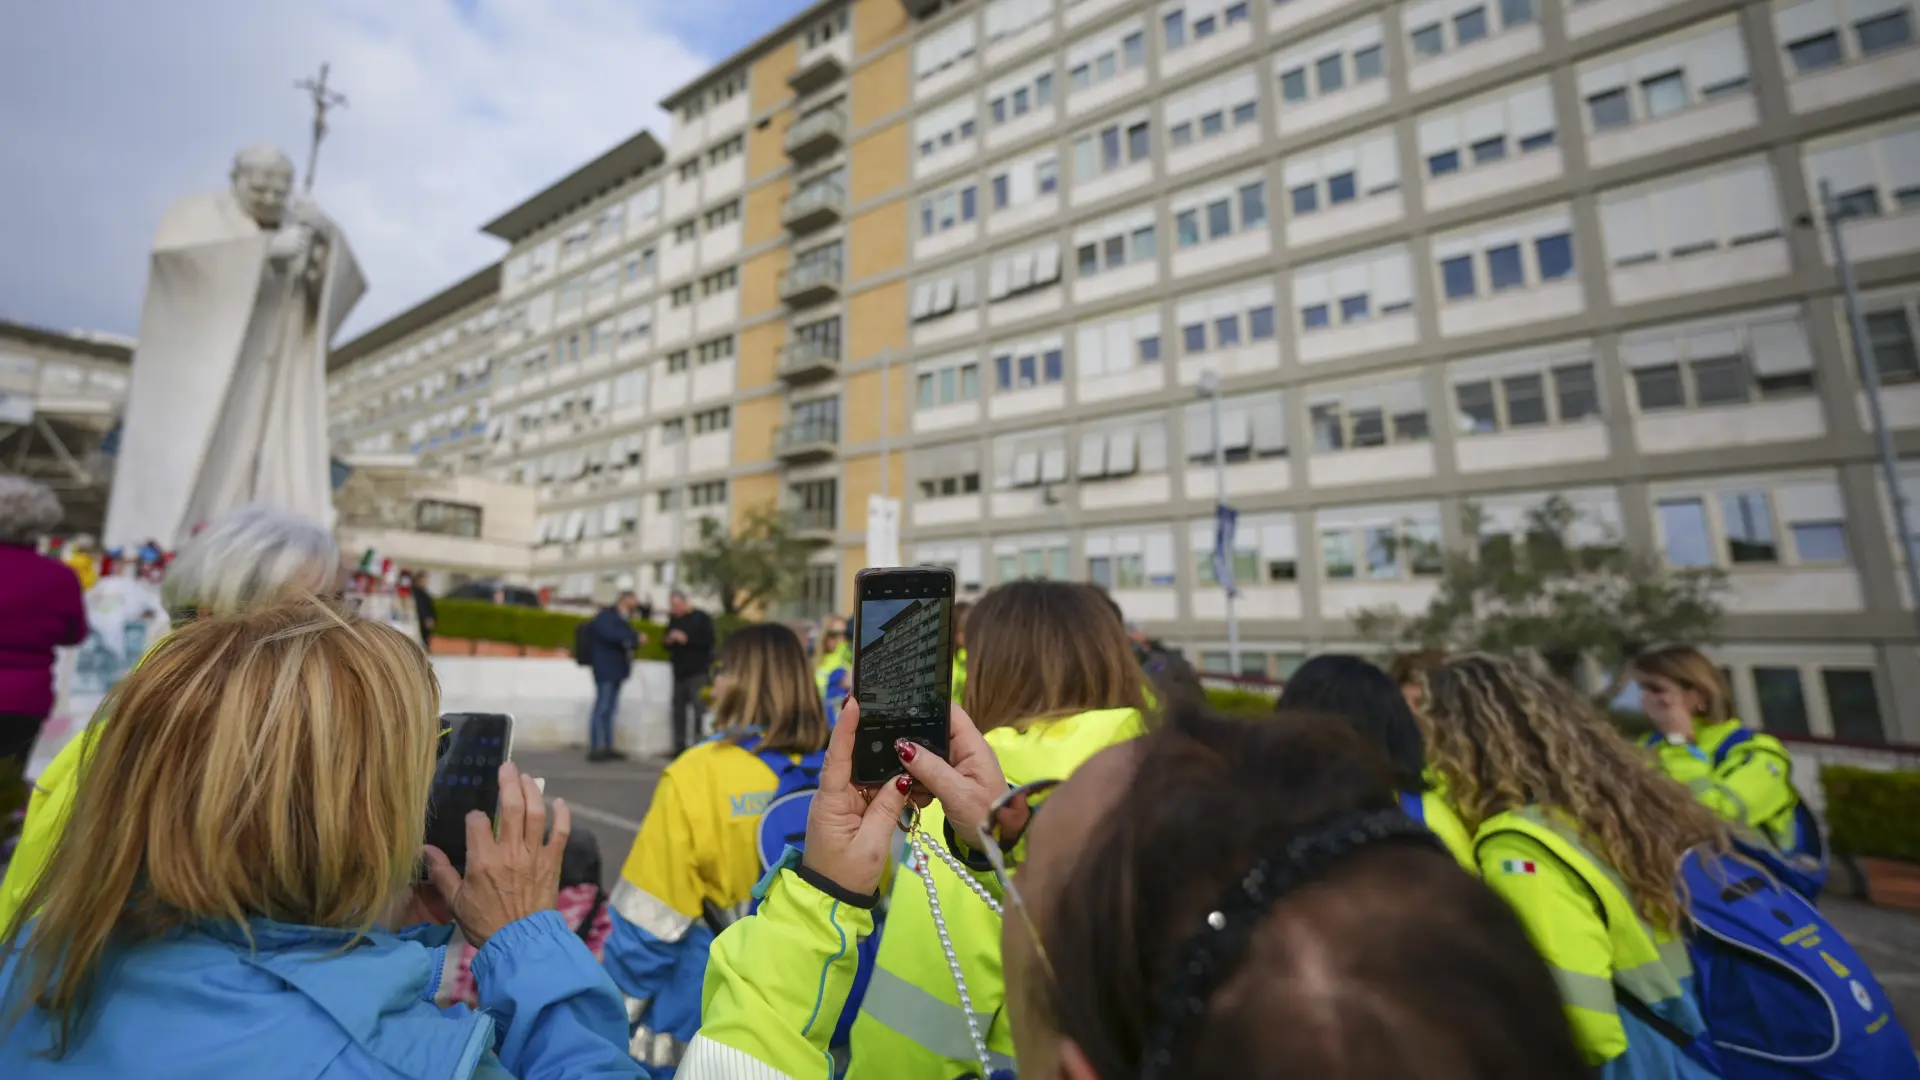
[(1122, 454), (1238, 427), (1627, 226), (1026, 468), (1392, 280), (1440, 134), (1900, 153), (1093, 456), (1053, 464), (1379, 164), (1530, 111), (1716, 59), (1087, 352), (1277, 539), (1484, 122), (1198, 430), (1808, 502), (1269, 426), (1157, 556), (1648, 352), (1686, 216), (1747, 199), (997, 279), (1779, 347), (1119, 345)]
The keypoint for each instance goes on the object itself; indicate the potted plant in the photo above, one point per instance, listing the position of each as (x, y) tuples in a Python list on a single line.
[(1873, 817)]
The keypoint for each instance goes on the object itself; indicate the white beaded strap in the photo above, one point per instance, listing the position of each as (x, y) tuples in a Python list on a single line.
[(921, 843)]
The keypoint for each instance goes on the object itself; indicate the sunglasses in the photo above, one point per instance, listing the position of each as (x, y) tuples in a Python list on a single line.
[(1010, 815)]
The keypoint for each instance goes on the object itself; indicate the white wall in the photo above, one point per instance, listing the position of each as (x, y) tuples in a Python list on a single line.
[(551, 699)]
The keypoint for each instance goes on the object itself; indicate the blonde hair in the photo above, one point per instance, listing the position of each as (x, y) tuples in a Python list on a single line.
[(820, 639), (274, 764), (1045, 650), (1688, 668), (770, 687), (1506, 738)]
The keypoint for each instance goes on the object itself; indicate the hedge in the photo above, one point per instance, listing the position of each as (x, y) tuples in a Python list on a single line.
[(1236, 702), (539, 628), (1873, 813)]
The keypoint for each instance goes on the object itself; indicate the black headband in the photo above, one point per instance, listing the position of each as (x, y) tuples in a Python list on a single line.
[(1207, 958)]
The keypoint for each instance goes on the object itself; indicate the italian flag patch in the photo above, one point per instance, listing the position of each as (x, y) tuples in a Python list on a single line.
[(1518, 866)]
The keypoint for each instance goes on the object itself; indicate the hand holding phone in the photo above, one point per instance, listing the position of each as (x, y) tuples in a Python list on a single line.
[(466, 777), (511, 876), (902, 665), (966, 781)]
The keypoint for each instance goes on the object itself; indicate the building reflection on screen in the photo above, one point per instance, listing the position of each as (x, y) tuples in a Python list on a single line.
[(903, 671)]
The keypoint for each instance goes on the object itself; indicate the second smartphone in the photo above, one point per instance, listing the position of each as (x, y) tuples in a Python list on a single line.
[(466, 777), (902, 664)]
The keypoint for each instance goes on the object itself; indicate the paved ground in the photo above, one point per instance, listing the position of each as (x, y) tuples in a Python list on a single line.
[(610, 799)]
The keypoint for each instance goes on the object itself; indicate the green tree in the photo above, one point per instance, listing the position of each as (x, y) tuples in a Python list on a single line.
[(765, 560), (1556, 594)]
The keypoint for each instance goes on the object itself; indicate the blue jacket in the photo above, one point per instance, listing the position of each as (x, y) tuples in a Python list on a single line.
[(614, 640), (200, 1003)]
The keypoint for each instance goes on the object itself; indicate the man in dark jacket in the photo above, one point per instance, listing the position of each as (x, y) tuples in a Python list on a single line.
[(611, 659), (689, 642), (423, 608)]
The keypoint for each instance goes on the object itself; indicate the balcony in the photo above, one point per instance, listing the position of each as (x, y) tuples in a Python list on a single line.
[(811, 440), (810, 283), (816, 134), (808, 359), (814, 207), (816, 524), (816, 69)]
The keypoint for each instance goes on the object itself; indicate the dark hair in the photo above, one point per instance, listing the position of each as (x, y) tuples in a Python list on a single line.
[(1389, 962), (1411, 667), (1348, 687)]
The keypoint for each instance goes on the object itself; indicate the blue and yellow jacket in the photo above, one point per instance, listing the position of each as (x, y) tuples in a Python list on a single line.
[(1752, 787), (695, 847), (833, 677)]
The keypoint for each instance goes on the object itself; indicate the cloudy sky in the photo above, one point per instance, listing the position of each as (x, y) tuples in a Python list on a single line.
[(457, 110)]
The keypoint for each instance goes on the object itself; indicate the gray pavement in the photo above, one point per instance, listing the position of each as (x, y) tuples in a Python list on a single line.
[(610, 799)]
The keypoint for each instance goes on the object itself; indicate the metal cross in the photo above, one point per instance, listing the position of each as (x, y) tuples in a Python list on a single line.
[(323, 100)]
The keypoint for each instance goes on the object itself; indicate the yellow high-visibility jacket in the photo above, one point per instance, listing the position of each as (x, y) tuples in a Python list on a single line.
[(1753, 787), (910, 1024)]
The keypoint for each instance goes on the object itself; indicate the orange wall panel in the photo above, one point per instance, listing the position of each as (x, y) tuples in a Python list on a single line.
[(766, 146), (877, 321), (880, 88), (877, 241), (769, 78), (759, 355), (753, 422), (879, 163), (762, 213), (760, 283)]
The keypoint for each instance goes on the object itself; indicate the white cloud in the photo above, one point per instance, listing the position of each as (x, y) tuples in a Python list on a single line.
[(114, 109)]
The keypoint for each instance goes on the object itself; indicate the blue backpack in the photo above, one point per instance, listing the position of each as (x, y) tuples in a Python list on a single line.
[(1783, 994), (1804, 868)]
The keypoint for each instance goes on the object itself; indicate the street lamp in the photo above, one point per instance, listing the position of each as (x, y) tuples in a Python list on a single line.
[(1223, 518), (1870, 379)]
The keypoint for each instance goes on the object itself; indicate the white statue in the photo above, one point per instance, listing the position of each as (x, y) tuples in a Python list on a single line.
[(228, 404)]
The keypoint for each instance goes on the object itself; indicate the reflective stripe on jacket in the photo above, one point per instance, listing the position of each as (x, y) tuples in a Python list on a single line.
[(1752, 787), (695, 847), (1582, 919), (910, 1024)]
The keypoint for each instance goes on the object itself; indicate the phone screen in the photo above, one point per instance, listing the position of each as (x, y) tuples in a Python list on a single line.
[(902, 665), (466, 777)]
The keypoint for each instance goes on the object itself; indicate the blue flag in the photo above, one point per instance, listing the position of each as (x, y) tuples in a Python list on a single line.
[(1225, 518)]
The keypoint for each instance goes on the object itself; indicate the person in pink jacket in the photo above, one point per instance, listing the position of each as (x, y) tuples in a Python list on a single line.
[(41, 608)]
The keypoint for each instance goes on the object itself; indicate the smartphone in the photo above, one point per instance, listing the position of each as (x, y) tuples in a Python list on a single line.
[(466, 777), (902, 664)]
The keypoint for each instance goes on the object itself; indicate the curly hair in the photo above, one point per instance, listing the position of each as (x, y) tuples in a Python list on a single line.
[(1505, 738)]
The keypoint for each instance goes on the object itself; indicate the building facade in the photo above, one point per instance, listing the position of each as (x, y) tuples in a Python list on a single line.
[(1439, 254), (60, 396)]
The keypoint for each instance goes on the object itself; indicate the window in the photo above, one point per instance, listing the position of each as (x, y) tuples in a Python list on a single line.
[(711, 493), (946, 382), (1378, 415), (1242, 315), (686, 231), (1367, 285), (1252, 427), (712, 352), (1749, 523), (1347, 57), (1007, 17), (1505, 257), (945, 127), (1815, 53), (1024, 365), (719, 419), (824, 31), (726, 151), (1699, 64), (723, 214), (1691, 214), (1822, 34), (1104, 150), (1342, 173), (1783, 703), (1683, 528), (1019, 272), (1011, 98), (1115, 242), (1380, 544), (1853, 704), (943, 49), (1116, 344), (1891, 337), (1093, 60), (1743, 523), (1023, 181), (1883, 32), (1871, 171), (943, 295), (1044, 559), (1121, 449), (1437, 26), (947, 487), (680, 296), (1216, 212), (1750, 357), (1265, 552), (719, 281), (948, 209), (1487, 132), (678, 360), (1211, 109), (689, 171)]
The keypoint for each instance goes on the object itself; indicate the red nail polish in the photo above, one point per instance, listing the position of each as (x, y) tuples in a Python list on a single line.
[(905, 748), (903, 782)]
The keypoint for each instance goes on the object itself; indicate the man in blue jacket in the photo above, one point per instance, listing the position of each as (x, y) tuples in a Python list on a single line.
[(611, 660)]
